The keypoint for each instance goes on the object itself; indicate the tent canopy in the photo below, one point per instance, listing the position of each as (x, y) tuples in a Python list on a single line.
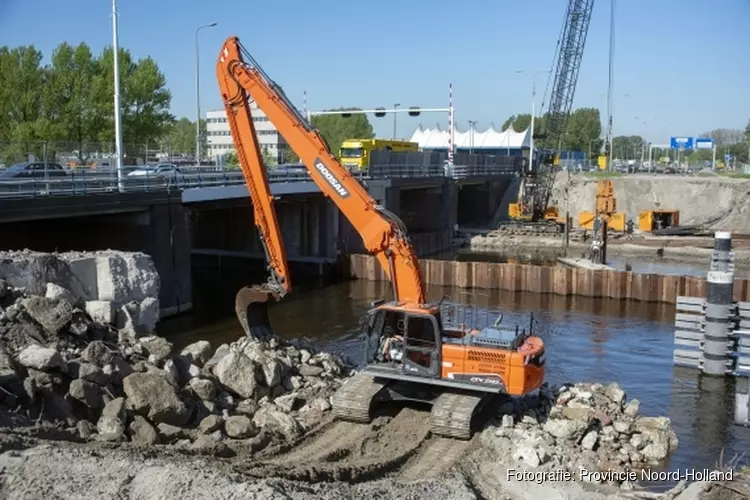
[(435, 138)]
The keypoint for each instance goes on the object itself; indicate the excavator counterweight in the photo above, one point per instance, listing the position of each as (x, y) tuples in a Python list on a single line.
[(412, 351)]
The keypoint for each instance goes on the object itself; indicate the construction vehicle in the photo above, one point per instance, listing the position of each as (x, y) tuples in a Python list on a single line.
[(533, 210), (606, 209), (654, 220), (409, 351), (356, 153)]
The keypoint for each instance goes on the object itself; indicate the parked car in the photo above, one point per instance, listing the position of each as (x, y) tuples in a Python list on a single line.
[(164, 170), (37, 170)]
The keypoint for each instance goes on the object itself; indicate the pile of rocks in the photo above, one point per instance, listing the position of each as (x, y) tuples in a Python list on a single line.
[(65, 364), (581, 426)]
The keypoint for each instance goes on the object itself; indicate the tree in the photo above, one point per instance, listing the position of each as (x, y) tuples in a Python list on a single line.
[(21, 106), (181, 137), (231, 160), (289, 156), (628, 147), (145, 101), (747, 132), (269, 160), (71, 113), (335, 129), (584, 126)]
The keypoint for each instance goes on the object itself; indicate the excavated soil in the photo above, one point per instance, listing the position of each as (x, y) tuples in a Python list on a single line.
[(346, 451)]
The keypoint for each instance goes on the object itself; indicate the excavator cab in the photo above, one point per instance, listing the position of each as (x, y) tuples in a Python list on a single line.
[(399, 339)]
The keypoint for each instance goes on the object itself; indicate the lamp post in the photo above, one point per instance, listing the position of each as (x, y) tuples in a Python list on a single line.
[(118, 110), (533, 112), (198, 94), (395, 107), (472, 124)]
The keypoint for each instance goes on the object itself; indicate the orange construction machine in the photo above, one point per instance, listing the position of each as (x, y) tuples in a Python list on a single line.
[(410, 351)]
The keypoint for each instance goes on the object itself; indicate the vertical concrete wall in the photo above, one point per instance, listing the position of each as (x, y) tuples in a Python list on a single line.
[(161, 230)]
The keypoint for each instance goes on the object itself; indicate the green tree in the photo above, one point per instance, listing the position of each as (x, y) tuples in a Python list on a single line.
[(69, 100), (144, 97), (584, 126), (269, 160), (335, 129), (289, 156), (21, 105), (628, 147), (231, 160), (747, 132), (181, 137)]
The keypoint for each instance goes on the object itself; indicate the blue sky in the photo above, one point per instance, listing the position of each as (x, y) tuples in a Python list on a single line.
[(682, 66)]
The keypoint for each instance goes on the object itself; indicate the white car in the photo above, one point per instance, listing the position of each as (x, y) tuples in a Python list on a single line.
[(165, 170)]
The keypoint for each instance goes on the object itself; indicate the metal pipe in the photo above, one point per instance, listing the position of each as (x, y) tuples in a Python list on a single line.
[(118, 110), (198, 94)]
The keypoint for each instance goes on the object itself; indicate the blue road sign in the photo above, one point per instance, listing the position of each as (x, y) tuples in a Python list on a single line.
[(704, 143), (681, 143), (728, 157)]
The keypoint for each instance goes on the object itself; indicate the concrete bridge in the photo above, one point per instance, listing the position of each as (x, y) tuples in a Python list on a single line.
[(208, 222)]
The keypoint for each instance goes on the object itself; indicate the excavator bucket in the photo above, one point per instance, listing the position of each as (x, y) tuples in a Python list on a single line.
[(251, 307)]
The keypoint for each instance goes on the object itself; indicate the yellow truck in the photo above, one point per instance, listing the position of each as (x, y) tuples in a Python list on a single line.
[(355, 153)]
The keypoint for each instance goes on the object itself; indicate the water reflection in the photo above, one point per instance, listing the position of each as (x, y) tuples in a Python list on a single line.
[(587, 340)]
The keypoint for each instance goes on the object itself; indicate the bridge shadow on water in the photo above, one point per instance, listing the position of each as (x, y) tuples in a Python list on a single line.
[(586, 340)]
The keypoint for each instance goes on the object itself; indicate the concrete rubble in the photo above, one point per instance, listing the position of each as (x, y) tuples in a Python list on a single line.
[(72, 371), (69, 359), (582, 426)]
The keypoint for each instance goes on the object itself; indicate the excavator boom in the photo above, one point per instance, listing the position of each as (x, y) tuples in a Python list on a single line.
[(240, 79)]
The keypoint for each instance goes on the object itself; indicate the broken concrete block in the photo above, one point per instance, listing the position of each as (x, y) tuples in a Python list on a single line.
[(55, 291), (101, 311)]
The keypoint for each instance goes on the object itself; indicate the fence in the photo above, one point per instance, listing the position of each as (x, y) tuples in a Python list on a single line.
[(87, 154), (435, 164)]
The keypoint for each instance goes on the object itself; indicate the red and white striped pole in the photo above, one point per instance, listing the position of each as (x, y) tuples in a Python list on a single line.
[(451, 127)]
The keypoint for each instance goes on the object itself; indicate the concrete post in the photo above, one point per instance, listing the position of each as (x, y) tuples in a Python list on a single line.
[(717, 352), (742, 401), (722, 258)]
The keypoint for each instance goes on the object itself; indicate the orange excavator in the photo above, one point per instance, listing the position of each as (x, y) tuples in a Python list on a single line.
[(410, 350)]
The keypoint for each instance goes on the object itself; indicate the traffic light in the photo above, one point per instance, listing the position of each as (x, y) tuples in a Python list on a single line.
[(414, 111), (380, 112)]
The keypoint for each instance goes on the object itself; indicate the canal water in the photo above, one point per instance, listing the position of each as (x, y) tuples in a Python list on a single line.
[(586, 340)]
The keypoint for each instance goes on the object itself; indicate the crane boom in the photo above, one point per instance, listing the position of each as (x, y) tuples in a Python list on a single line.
[(383, 233), (568, 57)]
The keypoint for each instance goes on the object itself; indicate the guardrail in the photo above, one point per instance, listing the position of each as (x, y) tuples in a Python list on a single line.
[(93, 181)]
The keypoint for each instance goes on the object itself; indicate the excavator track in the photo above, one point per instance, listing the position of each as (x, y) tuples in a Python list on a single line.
[(452, 414), (354, 400)]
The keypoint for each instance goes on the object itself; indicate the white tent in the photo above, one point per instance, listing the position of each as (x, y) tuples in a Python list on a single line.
[(435, 138)]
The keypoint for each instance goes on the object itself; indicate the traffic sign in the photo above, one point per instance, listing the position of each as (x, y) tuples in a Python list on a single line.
[(728, 157), (681, 143), (704, 143)]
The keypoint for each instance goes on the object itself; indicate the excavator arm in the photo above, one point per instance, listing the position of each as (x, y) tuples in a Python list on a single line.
[(241, 78)]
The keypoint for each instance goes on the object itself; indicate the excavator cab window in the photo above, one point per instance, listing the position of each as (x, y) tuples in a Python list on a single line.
[(422, 345)]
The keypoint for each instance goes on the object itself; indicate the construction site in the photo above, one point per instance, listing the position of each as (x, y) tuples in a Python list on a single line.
[(410, 377)]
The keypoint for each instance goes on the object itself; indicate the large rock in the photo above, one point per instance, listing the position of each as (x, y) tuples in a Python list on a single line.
[(240, 427), (52, 314), (198, 353), (275, 420), (152, 395), (111, 424), (40, 358), (9, 373), (236, 372)]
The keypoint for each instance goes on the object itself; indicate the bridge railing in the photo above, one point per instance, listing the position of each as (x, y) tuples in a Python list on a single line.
[(85, 180)]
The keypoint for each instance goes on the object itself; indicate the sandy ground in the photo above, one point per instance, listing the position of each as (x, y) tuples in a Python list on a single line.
[(719, 202)]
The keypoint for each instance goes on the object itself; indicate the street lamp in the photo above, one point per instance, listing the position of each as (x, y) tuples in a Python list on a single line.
[(198, 94), (395, 107), (117, 104), (472, 124), (533, 112)]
